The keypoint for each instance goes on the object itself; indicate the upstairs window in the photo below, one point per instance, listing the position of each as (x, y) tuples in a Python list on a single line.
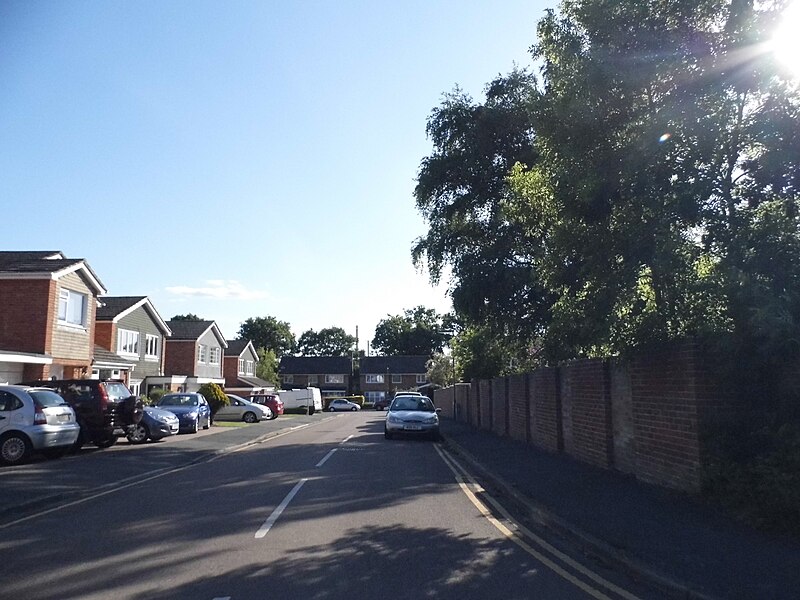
[(213, 355), (374, 378), (397, 378), (202, 352), (128, 342), (334, 378), (422, 378), (72, 307), (288, 379), (151, 346), (241, 366), (249, 368)]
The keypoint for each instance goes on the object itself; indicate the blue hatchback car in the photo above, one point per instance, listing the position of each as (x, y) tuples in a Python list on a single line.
[(191, 408)]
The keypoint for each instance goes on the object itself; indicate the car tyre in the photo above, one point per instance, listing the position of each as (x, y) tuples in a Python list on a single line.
[(195, 426), (386, 434), (249, 417), (354, 409), (106, 442), (138, 434), (14, 448), (208, 423)]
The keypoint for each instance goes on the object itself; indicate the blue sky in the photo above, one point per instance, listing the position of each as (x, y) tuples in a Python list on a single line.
[(239, 159)]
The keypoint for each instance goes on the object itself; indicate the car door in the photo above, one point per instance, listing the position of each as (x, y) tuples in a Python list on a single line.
[(6, 406), (205, 412), (233, 411)]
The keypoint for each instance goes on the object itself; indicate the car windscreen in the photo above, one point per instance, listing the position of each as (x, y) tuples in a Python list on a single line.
[(117, 391), (177, 401), (413, 403), (45, 398)]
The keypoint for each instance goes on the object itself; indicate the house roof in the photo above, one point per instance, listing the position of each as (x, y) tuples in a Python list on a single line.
[(193, 330), (255, 382), (394, 364), (46, 264), (301, 365), (237, 347), (106, 358), (113, 308)]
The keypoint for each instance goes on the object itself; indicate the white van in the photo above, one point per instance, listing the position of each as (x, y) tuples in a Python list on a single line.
[(309, 397)]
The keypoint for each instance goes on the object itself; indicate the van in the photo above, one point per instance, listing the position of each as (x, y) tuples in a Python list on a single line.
[(309, 397)]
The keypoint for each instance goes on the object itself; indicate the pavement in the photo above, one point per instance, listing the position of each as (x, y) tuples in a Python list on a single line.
[(665, 538), (686, 547)]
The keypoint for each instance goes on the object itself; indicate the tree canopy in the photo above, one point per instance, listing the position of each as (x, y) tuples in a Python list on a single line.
[(418, 331), (643, 189), (270, 334), (187, 317), (329, 341)]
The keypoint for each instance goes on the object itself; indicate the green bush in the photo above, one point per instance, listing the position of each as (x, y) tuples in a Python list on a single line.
[(755, 473), (155, 395), (214, 395)]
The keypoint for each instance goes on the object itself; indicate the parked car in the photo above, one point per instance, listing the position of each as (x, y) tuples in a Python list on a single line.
[(382, 403), (191, 408), (272, 400), (339, 404), (105, 408), (156, 424), (412, 415), (34, 419), (243, 410)]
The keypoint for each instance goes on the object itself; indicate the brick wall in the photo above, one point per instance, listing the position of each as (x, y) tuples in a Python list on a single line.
[(179, 357), (485, 407), (518, 407), (499, 411), (545, 422), (588, 435), (27, 314), (105, 334)]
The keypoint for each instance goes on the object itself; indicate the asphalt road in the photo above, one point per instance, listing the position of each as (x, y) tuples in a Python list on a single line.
[(329, 510)]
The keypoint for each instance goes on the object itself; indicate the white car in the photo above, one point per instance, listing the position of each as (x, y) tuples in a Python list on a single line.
[(412, 415), (243, 410), (338, 404), (34, 419)]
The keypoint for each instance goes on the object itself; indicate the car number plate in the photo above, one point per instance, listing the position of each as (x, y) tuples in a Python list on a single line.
[(63, 418), (413, 427)]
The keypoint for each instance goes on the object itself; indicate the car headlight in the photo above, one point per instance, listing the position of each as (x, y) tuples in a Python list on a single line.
[(432, 420), (161, 418), (393, 419), (192, 415)]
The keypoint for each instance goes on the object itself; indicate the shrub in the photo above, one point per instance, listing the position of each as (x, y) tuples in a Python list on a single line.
[(155, 395), (214, 395)]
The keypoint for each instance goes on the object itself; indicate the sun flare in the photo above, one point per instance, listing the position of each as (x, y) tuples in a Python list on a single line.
[(786, 40)]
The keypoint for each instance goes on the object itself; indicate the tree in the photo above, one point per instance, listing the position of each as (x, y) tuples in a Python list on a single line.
[(662, 171), (441, 369), (267, 366), (419, 331), (187, 317), (270, 334), (214, 395), (330, 341)]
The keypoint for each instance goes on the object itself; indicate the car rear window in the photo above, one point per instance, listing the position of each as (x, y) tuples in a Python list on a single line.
[(45, 398), (117, 391)]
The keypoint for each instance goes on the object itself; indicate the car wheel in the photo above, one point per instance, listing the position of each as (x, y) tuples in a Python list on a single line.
[(106, 442), (195, 426), (14, 448), (386, 434), (138, 434), (331, 409), (208, 423), (354, 409), (79, 442), (249, 417), (274, 416)]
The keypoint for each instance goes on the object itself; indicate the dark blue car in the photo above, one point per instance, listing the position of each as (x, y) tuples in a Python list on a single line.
[(191, 408)]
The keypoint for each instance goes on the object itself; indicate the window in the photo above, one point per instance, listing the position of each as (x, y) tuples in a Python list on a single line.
[(151, 346), (334, 378), (373, 397), (288, 379), (374, 378), (241, 366), (313, 379), (397, 378), (128, 342), (249, 367), (201, 353), (72, 307), (422, 378), (214, 355)]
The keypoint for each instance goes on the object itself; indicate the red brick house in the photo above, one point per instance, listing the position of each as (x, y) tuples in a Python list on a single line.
[(48, 314), (239, 369)]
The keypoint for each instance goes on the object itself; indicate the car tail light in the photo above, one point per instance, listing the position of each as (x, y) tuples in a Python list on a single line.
[(39, 418), (103, 397)]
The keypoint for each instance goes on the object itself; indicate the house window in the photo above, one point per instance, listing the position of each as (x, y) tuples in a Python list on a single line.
[(214, 354), (128, 342), (397, 378), (288, 379), (334, 378), (313, 379), (151, 346), (241, 366), (201, 353), (374, 378), (249, 368), (72, 307), (373, 397), (422, 378)]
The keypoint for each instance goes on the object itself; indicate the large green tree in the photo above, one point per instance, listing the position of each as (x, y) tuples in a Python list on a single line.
[(269, 333), (329, 341), (659, 194), (418, 331)]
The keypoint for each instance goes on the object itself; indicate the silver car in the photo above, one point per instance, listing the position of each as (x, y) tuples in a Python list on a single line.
[(412, 415), (242, 410), (34, 419)]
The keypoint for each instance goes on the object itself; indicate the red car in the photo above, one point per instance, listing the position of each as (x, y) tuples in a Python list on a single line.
[(271, 400)]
